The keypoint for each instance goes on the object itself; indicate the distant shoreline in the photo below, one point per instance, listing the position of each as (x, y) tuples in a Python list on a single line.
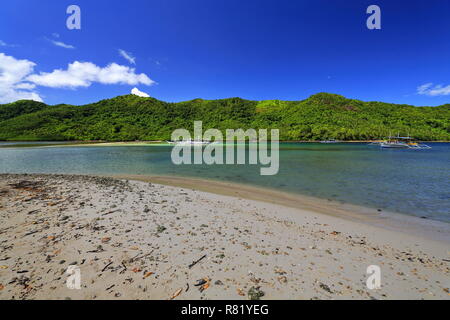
[(161, 141), (139, 143)]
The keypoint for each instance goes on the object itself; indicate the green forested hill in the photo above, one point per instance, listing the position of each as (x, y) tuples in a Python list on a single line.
[(129, 118)]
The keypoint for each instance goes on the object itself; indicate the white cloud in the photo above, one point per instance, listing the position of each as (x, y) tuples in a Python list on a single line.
[(83, 74), (4, 44), (13, 84), (429, 89), (25, 86), (139, 93), (128, 56), (18, 80), (62, 44)]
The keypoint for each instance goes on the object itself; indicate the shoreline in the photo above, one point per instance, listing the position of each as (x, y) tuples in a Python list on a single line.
[(399, 222), (139, 240), (62, 143), (81, 144)]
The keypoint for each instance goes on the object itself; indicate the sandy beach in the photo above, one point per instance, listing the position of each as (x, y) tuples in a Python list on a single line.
[(144, 240)]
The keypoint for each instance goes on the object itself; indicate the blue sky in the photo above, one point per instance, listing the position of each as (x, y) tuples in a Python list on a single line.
[(254, 49)]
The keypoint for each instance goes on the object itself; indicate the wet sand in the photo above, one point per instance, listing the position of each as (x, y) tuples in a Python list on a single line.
[(140, 240)]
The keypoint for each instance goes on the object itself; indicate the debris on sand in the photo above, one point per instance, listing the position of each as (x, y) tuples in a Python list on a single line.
[(240, 292), (203, 284), (255, 293), (200, 282), (161, 229), (197, 261), (325, 287), (106, 239), (176, 294), (147, 241)]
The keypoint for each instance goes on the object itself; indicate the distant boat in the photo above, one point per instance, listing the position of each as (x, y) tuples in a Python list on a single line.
[(402, 143), (329, 141), (416, 145), (394, 145), (190, 142)]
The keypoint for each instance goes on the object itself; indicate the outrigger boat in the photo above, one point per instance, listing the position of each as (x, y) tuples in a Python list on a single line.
[(416, 145), (402, 143), (329, 141), (190, 142)]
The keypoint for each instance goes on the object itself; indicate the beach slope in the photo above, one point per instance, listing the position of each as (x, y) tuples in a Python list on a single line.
[(138, 240)]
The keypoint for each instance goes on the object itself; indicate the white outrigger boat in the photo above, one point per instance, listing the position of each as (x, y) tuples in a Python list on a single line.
[(190, 142), (402, 143), (329, 141)]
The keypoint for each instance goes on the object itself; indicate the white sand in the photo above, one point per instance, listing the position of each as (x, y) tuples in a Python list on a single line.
[(118, 232)]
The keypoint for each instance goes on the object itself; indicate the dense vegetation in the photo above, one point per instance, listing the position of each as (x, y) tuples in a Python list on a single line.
[(129, 118)]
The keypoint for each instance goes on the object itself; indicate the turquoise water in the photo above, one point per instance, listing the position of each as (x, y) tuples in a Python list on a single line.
[(414, 182)]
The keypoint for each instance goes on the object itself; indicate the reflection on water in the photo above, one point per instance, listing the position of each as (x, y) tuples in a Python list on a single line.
[(408, 181)]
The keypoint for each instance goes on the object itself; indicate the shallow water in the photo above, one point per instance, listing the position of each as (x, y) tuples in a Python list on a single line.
[(414, 182)]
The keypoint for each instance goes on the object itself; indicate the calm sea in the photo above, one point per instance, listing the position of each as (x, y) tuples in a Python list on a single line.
[(414, 182)]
